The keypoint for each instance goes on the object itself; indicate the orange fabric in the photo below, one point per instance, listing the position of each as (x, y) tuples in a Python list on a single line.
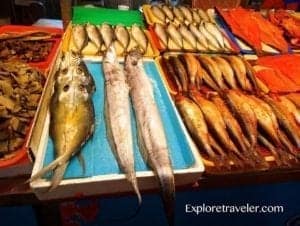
[(276, 82), (253, 28), (288, 65)]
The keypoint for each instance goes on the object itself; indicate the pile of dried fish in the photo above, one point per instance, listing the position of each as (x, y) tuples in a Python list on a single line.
[(32, 46), (216, 72), (25, 51), (181, 14), (231, 126), (203, 37), (102, 36), (72, 118), (20, 90)]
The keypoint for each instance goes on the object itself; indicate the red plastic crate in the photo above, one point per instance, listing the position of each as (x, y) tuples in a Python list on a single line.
[(43, 65)]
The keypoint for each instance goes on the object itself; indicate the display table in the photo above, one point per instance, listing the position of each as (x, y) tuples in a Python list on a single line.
[(13, 192)]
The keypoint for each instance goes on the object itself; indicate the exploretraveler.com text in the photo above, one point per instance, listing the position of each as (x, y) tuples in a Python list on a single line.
[(246, 208)]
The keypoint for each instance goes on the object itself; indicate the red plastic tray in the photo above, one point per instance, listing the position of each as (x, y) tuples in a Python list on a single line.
[(43, 65), (19, 154)]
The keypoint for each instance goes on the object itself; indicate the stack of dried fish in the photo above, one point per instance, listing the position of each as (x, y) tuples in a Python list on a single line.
[(181, 15), (230, 126), (32, 46), (203, 37), (102, 36), (20, 90), (217, 72)]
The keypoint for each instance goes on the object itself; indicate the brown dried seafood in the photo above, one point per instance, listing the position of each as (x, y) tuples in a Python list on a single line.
[(25, 50), (20, 90)]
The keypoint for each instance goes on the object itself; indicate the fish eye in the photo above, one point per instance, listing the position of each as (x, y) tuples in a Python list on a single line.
[(64, 71), (134, 62), (66, 88), (81, 87), (79, 70)]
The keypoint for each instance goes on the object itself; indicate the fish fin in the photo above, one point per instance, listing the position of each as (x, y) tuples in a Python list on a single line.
[(81, 162), (250, 73), (58, 175), (287, 144), (166, 181), (235, 159), (271, 148), (241, 156), (221, 160), (46, 169)]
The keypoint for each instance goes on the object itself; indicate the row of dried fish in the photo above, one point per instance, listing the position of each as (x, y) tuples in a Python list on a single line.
[(102, 36), (216, 72), (151, 135), (181, 14), (229, 128), (72, 120), (203, 37), (34, 35), (20, 90)]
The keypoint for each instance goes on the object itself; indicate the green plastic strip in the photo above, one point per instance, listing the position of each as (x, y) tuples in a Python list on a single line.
[(82, 15)]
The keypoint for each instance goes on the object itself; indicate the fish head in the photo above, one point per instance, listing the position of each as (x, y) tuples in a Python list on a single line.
[(69, 58), (134, 58), (72, 85), (111, 55)]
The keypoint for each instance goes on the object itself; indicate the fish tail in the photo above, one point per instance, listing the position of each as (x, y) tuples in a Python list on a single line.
[(166, 181), (271, 148), (287, 145), (243, 157), (260, 160), (235, 159), (46, 169), (221, 160), (133, 181), (58, 175), (245, 147)]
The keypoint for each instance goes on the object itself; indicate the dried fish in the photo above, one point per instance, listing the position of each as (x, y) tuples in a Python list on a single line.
[(122, 36), (152, 137), (140, 37), (117, 115), (79, 37)]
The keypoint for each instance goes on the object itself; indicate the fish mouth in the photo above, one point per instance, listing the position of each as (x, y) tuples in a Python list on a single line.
[(134, 56), (110, 56), (135, 53)]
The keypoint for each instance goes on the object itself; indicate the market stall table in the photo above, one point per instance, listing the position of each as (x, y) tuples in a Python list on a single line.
[(13, 192)]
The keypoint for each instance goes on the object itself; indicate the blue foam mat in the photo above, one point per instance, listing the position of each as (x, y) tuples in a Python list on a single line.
[(97, 153)]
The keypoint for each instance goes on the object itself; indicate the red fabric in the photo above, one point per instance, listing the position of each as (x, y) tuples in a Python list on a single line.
[(273, 4)]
